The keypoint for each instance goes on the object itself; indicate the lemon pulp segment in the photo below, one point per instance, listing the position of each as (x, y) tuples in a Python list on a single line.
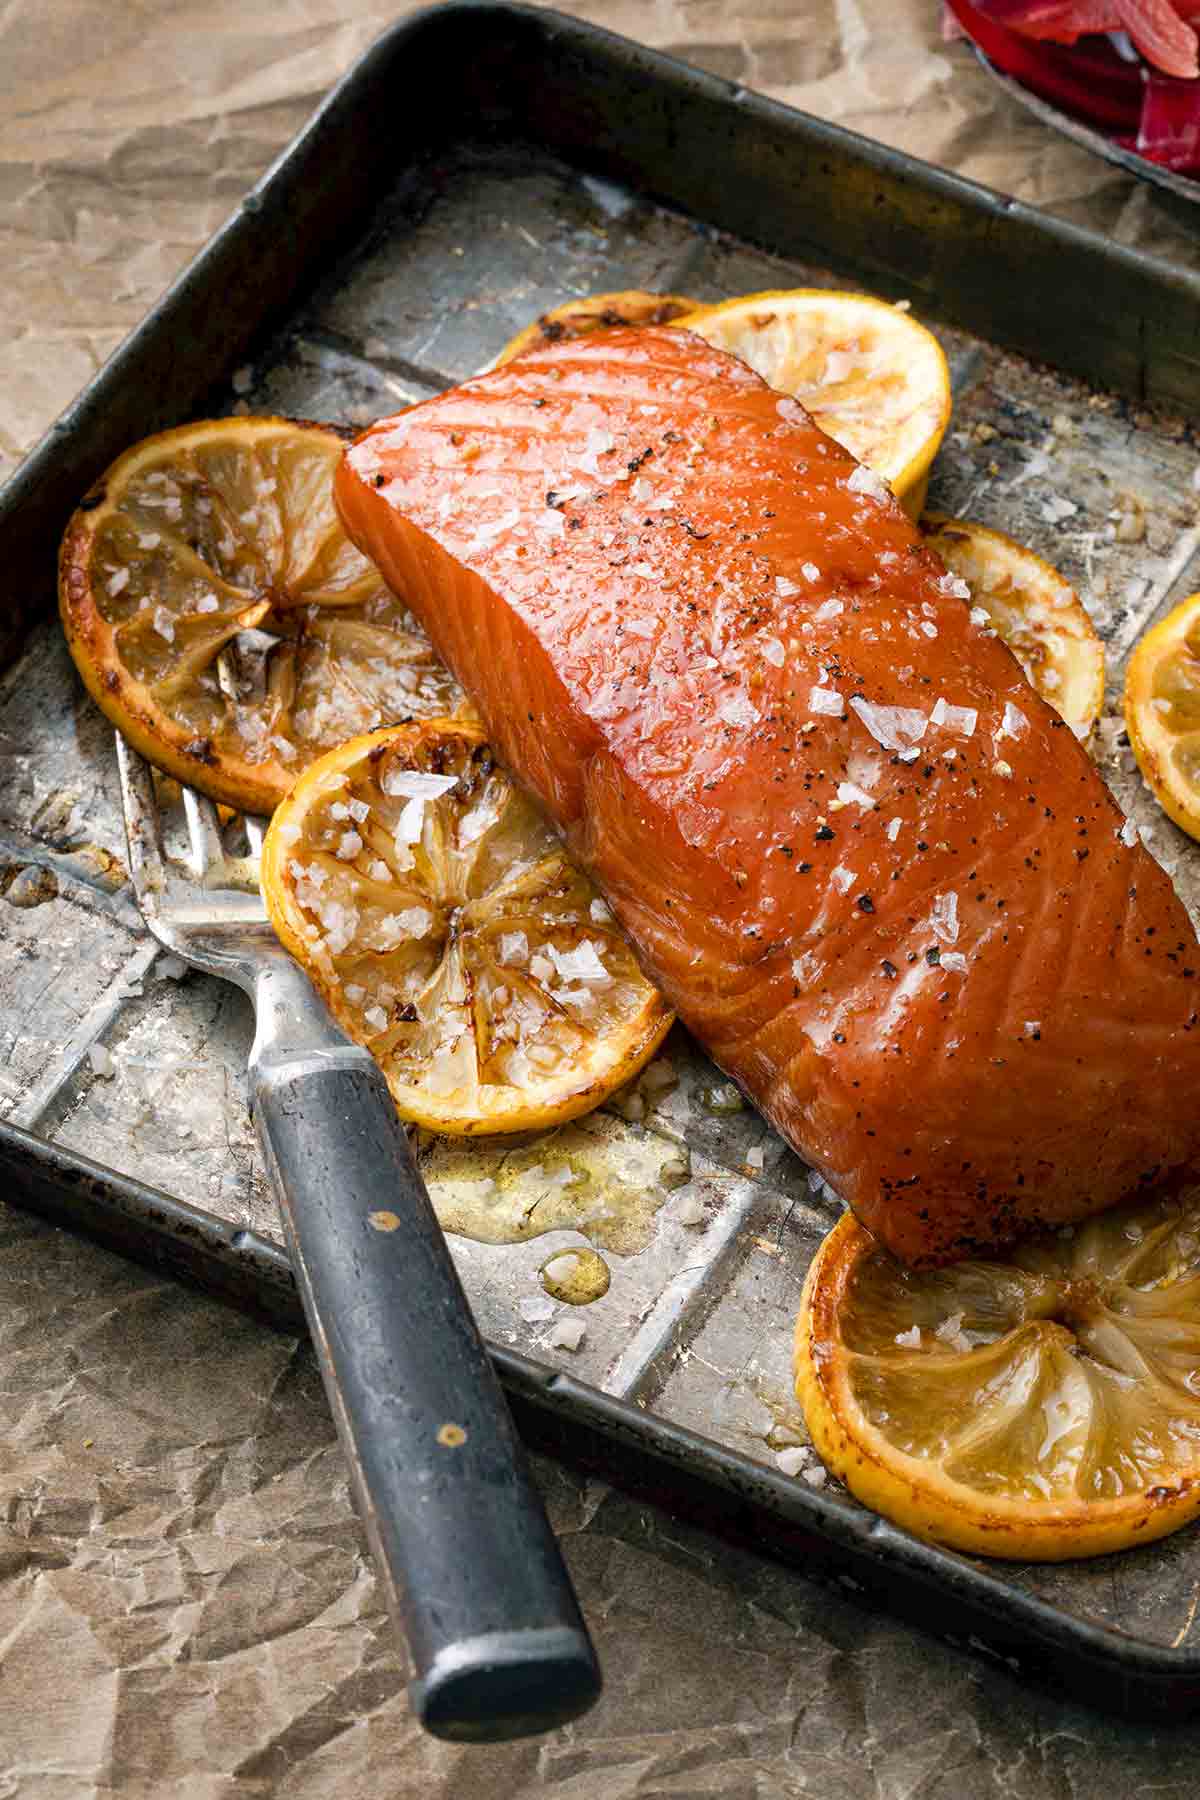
[(448, 931), (1039, 615), (1162, 712), (222, 619), (1045, 1407)]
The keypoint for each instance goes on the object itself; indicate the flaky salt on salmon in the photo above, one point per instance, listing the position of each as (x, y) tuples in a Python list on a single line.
[(878, 878)]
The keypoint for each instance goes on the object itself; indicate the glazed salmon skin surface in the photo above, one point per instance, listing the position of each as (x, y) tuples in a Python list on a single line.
[(877, 877)]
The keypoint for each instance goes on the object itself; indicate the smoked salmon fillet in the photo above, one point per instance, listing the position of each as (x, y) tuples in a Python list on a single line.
[(877, 877)]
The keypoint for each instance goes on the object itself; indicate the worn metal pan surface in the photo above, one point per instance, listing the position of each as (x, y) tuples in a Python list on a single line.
[(439, 199)]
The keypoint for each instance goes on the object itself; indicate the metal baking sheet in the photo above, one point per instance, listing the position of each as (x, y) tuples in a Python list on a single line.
[(122, 1076)]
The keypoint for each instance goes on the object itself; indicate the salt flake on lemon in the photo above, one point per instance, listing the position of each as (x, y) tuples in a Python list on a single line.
[(1038, 614), (447, 930)]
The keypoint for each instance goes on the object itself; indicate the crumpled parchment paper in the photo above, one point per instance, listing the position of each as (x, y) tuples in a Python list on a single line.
[(128, 133), (186, 1606)]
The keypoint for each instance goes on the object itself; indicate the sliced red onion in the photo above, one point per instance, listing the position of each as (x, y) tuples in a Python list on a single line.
[(1169, 132), (1166, 41), (1088, 80), (1065, 21), (1105, 80), (1157, 28)]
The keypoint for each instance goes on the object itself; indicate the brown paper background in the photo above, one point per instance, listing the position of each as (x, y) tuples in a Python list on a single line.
[(185, 1603), (129, 130)]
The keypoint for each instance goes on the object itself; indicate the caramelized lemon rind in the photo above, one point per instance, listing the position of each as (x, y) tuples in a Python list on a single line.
[(452, 935), (1036, 1410), (1034, 609), (222, 620), (1162, 712)]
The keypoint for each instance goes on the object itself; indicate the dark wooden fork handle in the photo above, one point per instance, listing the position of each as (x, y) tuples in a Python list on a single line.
[(458, 1528)]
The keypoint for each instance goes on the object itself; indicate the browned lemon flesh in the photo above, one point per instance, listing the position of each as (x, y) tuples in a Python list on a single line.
[(1043, 1408), (448, 931), (222, 619), (1039, 615), (596, 312), (1162, 712), (869, 374)]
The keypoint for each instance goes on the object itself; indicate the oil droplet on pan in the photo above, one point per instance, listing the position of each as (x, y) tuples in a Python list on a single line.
[(576, 1276), (597, 1176)]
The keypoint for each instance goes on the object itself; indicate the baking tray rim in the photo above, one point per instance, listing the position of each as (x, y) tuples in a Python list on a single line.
[(654, 65), (49, 1179), (239, 1265)]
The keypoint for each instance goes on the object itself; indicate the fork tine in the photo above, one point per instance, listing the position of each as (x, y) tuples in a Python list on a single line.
[(243, 871), (142, 824), (209, 861), (204, 833)]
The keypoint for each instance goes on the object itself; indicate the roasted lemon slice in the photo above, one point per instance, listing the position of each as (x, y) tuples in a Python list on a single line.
[(597, 312), (1039, 615), (221, 617), (870, 375), (1041, 1408), (1162, 712), (447, 930)]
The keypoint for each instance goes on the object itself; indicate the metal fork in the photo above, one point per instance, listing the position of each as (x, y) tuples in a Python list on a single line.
[(471, 1569)]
